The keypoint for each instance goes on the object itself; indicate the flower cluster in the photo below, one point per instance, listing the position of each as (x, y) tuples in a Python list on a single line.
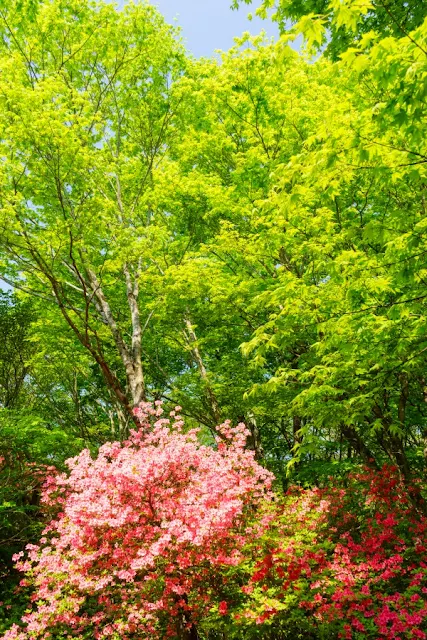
[(349, 562), (140, 532)]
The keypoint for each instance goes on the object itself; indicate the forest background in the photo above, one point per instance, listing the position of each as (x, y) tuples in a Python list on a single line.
[(245, 238)]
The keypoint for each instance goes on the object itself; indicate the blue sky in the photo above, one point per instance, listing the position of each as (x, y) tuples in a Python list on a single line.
[(210, 24)]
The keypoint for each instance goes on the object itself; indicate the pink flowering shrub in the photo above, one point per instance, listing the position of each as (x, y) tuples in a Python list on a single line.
[(140, 533), (341, 562)]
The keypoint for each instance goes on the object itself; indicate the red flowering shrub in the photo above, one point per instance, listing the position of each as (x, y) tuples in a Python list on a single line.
[(343, 562), (141, 532)]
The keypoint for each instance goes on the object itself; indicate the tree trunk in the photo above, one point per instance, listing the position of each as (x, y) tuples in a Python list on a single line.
[(255, 440), (137, 385), (296, 426), (185, 628), (355, 441), (131, 357)]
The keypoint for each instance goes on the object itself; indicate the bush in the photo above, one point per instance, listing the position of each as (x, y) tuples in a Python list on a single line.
[(348, 561), (140, 533)]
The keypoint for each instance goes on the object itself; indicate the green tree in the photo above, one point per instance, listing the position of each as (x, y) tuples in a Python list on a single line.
[(86, 117), (336, 25), (162, 221), (15, 349), (348, 300), (317, 173)]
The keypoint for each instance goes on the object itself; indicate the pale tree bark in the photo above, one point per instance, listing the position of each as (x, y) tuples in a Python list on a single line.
[(136, 381), (130, 356)]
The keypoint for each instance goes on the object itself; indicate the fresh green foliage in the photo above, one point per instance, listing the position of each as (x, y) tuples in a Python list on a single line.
[(87, 113), (336, 25), (245, 238), (15, 349)]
